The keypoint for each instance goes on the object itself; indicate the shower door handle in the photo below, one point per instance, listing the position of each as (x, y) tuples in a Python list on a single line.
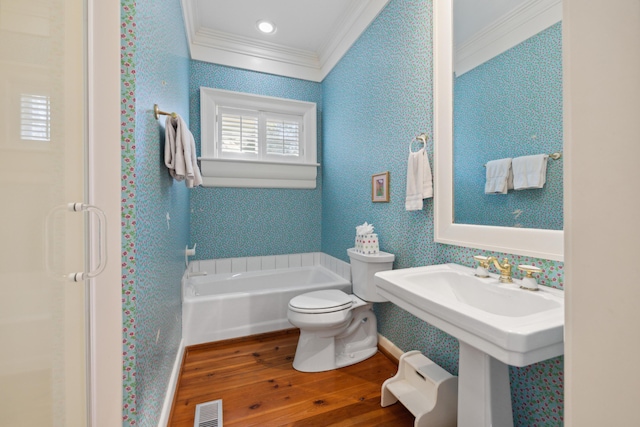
[(102, 241), (101, 237)]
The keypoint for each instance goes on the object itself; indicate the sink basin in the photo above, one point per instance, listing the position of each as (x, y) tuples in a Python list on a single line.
[(485, 295), (497, 324), (515, 326)]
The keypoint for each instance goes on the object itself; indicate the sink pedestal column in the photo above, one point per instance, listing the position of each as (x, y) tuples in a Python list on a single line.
[(484, 392)]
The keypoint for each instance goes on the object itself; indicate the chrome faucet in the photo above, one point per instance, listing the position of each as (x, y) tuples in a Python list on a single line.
[(504, 269)]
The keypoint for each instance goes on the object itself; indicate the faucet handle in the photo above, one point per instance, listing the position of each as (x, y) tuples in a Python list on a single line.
[(529, 282), (483, 265), (482, 260)]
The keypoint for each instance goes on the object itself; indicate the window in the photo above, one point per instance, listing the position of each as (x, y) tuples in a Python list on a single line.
[(238, 133), (254, 135), (282, 137), (257, 141)]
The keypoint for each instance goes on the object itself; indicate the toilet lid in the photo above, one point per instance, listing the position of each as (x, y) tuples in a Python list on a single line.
[(324, 301)]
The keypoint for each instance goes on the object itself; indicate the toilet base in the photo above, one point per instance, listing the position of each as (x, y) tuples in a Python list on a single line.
[(343, 360), (318, 352)]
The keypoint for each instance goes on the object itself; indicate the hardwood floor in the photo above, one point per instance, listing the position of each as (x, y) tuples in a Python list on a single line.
[(259, 387)]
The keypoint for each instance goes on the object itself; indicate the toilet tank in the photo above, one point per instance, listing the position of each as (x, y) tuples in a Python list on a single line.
[(363, 267)]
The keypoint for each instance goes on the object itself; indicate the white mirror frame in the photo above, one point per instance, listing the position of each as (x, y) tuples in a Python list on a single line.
[(545, 244)]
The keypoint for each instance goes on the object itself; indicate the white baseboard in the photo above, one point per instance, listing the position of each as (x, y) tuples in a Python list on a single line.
[(171, 388), (389, 347)]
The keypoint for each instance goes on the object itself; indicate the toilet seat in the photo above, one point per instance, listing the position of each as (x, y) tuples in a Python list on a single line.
[(318, 302)]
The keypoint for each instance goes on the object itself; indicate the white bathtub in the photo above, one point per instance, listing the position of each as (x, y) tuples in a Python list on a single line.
[(222, 306)]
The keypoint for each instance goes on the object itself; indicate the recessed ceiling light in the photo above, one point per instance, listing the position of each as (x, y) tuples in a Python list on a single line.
[(266, 26)]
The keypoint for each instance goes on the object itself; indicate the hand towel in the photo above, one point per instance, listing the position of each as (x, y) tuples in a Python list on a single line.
[(180, 152), (530, 171), (499, 176), (419, 180)]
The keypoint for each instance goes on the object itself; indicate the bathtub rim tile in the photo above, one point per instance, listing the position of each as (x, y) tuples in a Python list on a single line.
[(238, 265), (324, 261), (223, 266), (268, 262), (282, 261), (307, 260), (254, 263), (295, 260), (194, 266), (333, 265), (208, 265), (347, 272)]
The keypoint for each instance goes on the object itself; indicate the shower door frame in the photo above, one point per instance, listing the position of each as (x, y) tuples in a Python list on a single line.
[(103, 172)]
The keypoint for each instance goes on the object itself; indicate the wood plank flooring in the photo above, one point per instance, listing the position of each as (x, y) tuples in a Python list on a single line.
[(255, 379)]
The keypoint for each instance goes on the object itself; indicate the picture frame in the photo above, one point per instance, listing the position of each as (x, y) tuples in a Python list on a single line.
[(380, 187)]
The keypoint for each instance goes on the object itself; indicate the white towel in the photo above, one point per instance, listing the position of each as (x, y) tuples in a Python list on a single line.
[(419, 180), (180, 152), (499, 176), (530, 171)]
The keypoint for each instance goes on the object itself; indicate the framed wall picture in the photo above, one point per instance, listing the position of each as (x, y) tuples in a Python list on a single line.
[(380, 187)]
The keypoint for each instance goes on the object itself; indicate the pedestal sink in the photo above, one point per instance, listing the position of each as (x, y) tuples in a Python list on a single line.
[(496, 324)]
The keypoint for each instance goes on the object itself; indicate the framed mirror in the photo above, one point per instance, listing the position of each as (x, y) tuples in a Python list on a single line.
[(537, 242)]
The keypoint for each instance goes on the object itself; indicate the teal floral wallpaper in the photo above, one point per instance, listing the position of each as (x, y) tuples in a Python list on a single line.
[(376, 100), (510, 106), (155, 208), (239, 222), (128, 88), (371, 106)]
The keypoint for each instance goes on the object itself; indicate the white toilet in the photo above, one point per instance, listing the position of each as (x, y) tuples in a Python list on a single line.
[(337, 329)]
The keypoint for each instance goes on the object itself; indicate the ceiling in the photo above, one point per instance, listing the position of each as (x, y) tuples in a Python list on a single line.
[(485, 29), (304, 24), (311, 35), (472, 16)]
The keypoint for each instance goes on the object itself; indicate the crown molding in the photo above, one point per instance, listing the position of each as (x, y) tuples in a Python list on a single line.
[(222, 48), (248, 46), (508, 31), (353, 24)]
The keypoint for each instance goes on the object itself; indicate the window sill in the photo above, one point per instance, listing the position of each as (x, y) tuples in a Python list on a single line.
[(254, 174)]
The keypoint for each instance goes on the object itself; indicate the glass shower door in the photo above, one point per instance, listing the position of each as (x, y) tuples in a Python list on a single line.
[(42, 169)]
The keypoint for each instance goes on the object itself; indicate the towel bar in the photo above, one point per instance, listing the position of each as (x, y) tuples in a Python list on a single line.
[(157, 112), (421, 138), (553, 156)]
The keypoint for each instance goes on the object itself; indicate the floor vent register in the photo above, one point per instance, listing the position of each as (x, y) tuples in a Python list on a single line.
[(209, 414)]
